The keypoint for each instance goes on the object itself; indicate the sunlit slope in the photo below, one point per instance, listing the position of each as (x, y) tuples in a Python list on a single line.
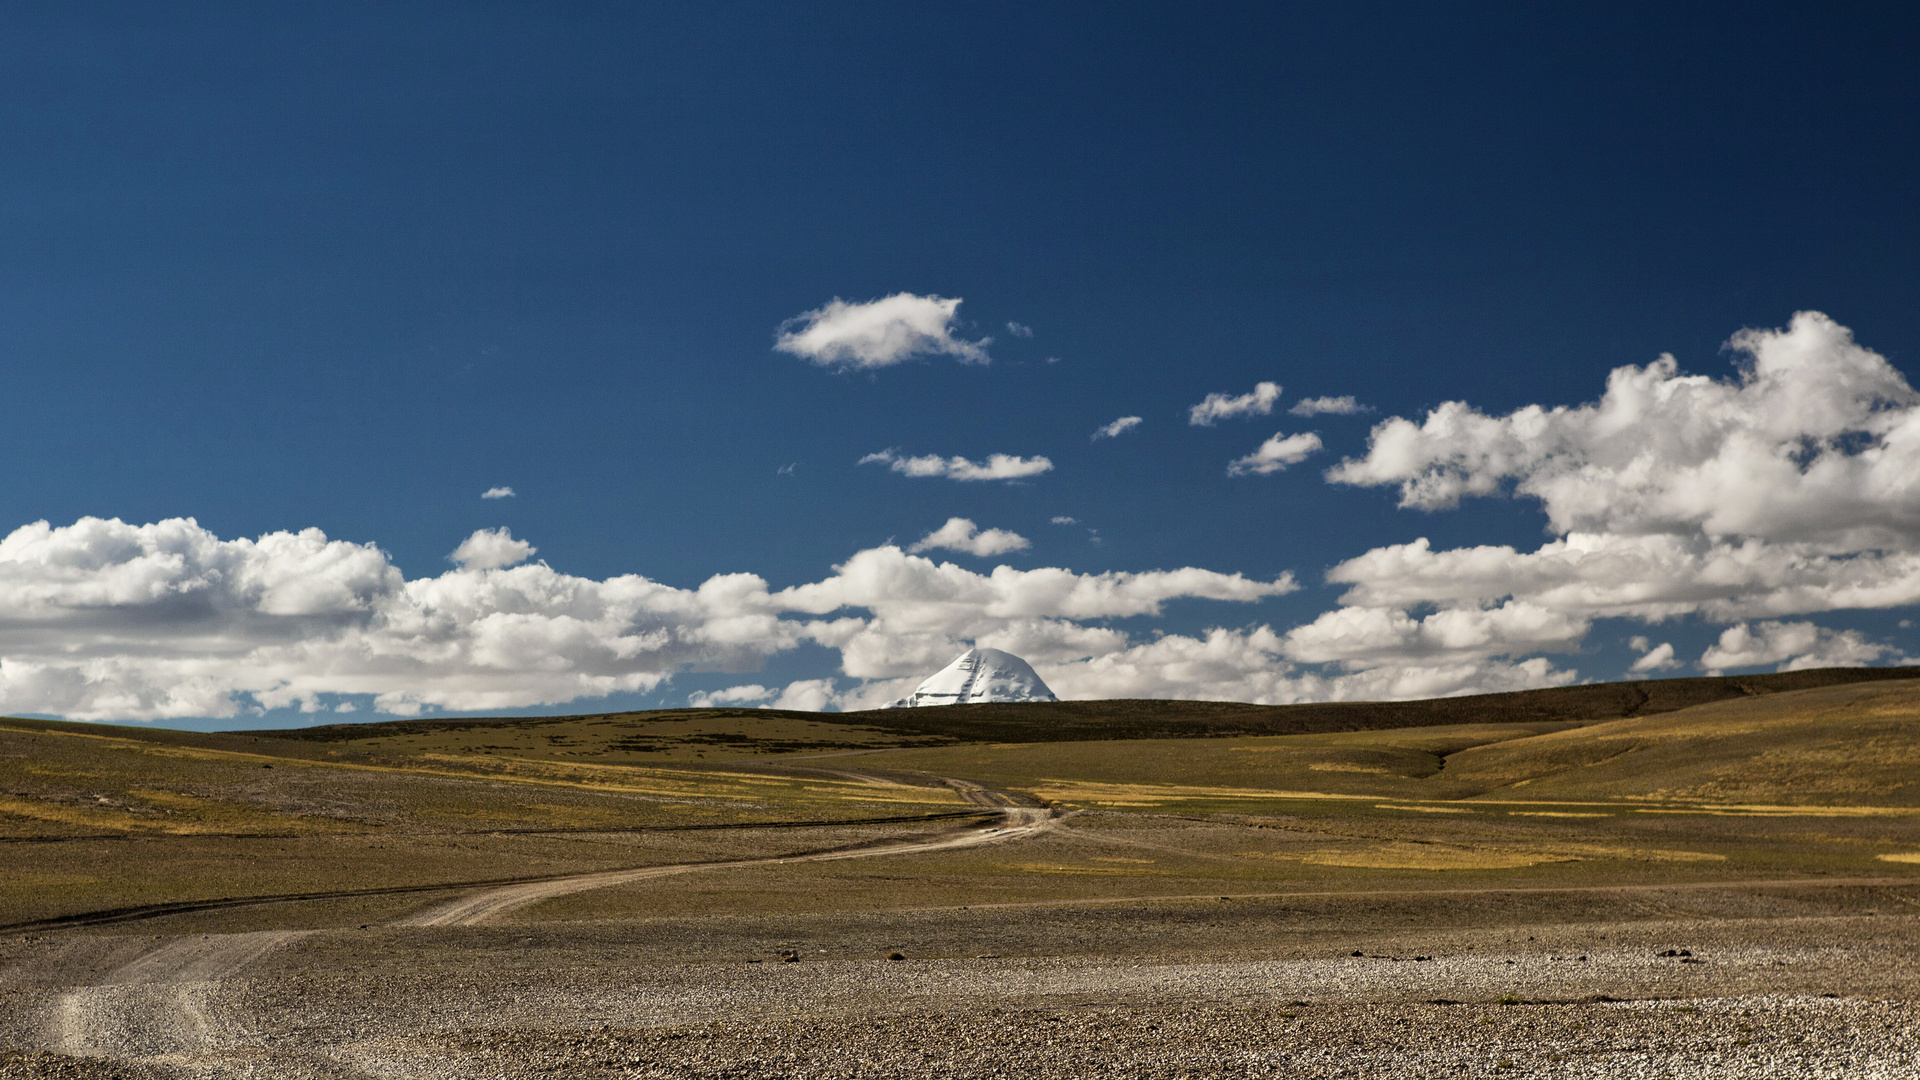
[(1853, 745), (1836, 745), (85, 779), (1402, 763), (99, 818)]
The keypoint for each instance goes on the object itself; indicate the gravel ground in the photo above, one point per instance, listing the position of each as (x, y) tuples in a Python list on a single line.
[(1758, 1037), (1766, 1036), (1542, 1015), (1202, 990)]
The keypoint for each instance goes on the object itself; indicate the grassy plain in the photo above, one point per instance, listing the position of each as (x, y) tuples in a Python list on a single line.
[(1759, 781), (289, 889), (96, 817)]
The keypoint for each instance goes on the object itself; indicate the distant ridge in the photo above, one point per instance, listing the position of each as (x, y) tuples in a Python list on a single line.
[(1150, 718)]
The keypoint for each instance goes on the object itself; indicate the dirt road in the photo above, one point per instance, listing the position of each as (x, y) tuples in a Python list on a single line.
[(1017, 822), (159, 1007)]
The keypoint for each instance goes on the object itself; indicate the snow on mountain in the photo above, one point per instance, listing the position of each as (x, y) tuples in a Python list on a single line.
[(979, 675)]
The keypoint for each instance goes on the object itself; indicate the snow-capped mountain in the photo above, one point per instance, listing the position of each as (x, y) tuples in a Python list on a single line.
[(979, 675)]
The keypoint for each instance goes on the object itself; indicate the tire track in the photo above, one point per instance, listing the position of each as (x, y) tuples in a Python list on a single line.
[(1016, 822), (156, 1006), (160, 1006), (155, 911)]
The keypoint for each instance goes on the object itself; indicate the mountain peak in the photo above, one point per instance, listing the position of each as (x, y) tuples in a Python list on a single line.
[(979, 675)]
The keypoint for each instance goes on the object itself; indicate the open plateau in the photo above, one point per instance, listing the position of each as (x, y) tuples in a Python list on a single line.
[(1690, 877)]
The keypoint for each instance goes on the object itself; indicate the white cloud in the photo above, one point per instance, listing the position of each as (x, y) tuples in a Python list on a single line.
[(806, 695), (490, 549), (1118, 427), (787, 469), (1330, 406), (960, 534), (1276, 454), (1019, 329), (1657, 658), (1794, 646), (879, 333), (1062, 519), (1222, 407), (732, 695), (497, 493), (996, 467), (1792, 488), (1816, 439), (1361, 638), (1642, 577), (105, 620), (1250, 665), (896, 585)]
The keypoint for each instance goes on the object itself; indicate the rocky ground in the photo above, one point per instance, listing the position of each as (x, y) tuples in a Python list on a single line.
[(1723, 1037), (1798, 997)]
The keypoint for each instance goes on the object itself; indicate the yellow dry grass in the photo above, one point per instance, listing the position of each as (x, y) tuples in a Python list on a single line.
[(1853, 745), (1122, 794), (1406, 856), (1428, 855), (1081, 870), (36, 810)]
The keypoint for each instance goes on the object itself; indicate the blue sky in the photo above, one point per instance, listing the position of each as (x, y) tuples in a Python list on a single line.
[(349, 268)]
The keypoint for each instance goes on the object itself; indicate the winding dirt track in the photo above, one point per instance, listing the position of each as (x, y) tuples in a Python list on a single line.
[(156, 1007), (1016, 823)]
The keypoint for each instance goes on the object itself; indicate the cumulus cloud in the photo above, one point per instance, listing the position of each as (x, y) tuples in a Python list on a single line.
[(1651, 578), (1019, 329), (1251, 665), (1330, 406), (490, 549), (1218, 407), (1656, 657), (732, 695), (1062, 519), (1276, 454), (879, 333), (960, 534), (104, 620), (1815, 439), (1790, 488), (996, 467), (1359, 638), (497, 493), (1793, 646), (807, 695), (1118, 427)]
